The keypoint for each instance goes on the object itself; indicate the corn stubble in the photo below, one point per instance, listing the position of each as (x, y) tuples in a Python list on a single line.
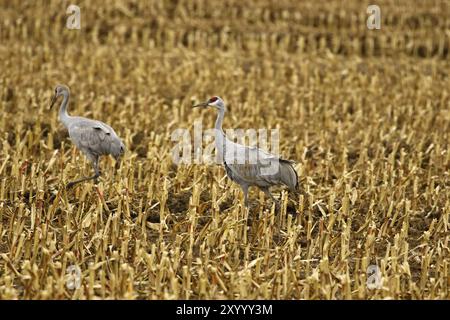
[(363, 112)]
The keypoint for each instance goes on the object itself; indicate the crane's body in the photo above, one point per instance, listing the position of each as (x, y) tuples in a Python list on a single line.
[(250, 166), (93, 138)]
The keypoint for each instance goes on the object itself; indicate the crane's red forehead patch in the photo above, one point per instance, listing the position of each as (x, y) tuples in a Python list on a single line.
[(213, 99)]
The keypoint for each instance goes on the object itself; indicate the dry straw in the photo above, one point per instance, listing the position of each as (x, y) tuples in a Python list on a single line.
[(363, 112)]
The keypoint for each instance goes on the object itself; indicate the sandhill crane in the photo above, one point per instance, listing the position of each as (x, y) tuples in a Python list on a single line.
[(250, 166), (94, 138)]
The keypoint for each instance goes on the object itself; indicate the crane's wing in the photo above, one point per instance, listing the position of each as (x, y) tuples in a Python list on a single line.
[(255, 166), (95, 137)]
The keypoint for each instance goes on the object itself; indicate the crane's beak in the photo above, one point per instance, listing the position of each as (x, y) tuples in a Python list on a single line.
[(53, 101), (204, 104)]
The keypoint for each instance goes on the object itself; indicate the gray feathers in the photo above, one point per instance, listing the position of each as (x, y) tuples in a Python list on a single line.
[(288, 175), (95, 137), (278, 172), (250, 166)]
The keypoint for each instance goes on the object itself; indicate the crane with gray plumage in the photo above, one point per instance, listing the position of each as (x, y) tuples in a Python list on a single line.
[(250, 166), (94, 138)]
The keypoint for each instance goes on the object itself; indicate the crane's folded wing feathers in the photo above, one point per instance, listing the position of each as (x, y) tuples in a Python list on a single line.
[(95, 137), (264, 174), (254, 166)]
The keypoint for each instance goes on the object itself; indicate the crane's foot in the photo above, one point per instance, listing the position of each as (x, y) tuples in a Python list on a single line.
[(52, 198), (277, 205), (250, 205), (70, 184), (96, 176)]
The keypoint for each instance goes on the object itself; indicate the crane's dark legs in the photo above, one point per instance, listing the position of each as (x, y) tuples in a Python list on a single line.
[(245, 190), (269, 194), (117, 166), (94, 177)]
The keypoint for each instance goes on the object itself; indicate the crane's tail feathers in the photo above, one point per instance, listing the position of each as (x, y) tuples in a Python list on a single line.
[(119, 152), (288, 175)]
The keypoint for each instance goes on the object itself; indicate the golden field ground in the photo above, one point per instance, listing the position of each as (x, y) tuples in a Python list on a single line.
[(364, 113)]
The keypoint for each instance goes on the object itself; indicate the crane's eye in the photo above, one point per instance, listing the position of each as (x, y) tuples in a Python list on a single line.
[(213, 99)]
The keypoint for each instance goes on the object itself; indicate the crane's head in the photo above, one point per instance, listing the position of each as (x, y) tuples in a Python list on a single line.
[(215, 101), (59, 90)]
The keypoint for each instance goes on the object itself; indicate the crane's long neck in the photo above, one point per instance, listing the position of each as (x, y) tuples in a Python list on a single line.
[(63, 115), (220, 135)]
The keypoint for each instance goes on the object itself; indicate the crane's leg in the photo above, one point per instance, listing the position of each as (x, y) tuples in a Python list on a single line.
[(94, 177), (245, 190), (118, 160), (270, 195)]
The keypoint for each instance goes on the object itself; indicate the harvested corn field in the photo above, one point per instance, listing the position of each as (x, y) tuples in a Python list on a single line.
[(364, 113)]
